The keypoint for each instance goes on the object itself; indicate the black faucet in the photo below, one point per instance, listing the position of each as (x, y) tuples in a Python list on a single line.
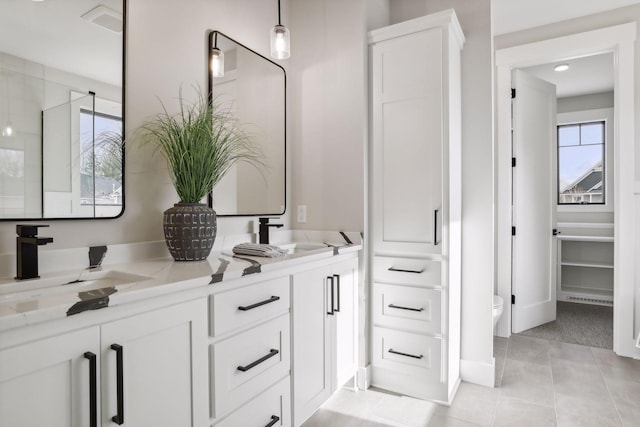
[(27, 244), (263, 235)]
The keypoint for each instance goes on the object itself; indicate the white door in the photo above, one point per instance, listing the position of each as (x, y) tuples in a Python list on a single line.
[(311, 325), (345, 276), (48, 382), (534, 202), (163, 374)]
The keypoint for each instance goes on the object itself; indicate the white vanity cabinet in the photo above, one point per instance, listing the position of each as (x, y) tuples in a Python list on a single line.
[(147, 369), (415, 190), (324, 334)]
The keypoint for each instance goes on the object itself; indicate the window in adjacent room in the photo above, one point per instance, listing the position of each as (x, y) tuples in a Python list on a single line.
[(581, 163)]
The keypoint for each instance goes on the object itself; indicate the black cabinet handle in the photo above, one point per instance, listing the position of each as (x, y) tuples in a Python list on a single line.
[(258, 304), (274, 420), (435, 227), (93, 388), (119, 418), (405, 354), (272, 353), (400, 307), (405, 270), (337, 279), (330, 283)]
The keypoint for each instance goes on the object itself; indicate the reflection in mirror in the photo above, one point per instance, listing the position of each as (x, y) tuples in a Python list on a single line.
[(253, 88), (61, 80)]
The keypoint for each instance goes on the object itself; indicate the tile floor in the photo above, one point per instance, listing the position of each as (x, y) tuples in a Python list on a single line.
[(538, 383)]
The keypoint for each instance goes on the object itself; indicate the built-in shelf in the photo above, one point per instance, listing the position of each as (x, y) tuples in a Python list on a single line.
[(585, 269)]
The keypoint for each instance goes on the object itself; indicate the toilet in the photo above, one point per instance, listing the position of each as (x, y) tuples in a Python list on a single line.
[(498, 304)]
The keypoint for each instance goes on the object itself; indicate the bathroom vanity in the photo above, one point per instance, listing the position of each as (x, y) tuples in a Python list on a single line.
[(229, 341)]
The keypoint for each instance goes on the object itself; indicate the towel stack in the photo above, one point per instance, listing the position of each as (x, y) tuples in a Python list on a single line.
[(255, 249)]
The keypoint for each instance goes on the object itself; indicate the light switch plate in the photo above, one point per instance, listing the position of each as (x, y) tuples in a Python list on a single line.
[(302, 213)]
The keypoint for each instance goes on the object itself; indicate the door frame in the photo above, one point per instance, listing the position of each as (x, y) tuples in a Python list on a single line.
[(618, 39)]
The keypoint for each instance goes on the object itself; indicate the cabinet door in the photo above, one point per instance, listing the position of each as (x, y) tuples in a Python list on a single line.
[(47, 383), (407, 142), (311, 341), (345, 342), (163, 374)]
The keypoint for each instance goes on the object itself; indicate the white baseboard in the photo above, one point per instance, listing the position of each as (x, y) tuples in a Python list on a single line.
[(478, 372), (364, 377)]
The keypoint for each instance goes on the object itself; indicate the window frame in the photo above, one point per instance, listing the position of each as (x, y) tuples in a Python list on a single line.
[(589, 116)]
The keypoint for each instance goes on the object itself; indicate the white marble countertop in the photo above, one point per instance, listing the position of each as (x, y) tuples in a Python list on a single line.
[(66, 293)]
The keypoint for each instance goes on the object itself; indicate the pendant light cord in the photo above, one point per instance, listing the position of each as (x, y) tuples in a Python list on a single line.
[(279, 21)]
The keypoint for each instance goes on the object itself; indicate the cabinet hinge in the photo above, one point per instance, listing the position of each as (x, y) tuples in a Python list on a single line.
[(513, 162), (513, 299), (513, 231), (513, 93)]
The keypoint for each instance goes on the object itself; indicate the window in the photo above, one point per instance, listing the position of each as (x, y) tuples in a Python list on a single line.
[(581, 163)]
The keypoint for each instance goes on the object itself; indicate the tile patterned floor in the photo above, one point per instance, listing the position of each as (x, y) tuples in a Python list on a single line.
[(539, 383)]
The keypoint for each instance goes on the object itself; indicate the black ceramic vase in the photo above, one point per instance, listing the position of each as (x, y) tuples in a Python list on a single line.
[(190, 230)]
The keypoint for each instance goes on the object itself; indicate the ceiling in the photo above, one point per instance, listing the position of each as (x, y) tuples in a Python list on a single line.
[(52, 32), (592, 74), (515, 15)]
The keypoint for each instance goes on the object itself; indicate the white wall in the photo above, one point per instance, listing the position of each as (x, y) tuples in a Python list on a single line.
[(328, 87), (585, 102), (166, 48)]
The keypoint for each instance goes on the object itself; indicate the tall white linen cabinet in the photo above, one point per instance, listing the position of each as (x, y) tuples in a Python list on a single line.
[(415, 205)]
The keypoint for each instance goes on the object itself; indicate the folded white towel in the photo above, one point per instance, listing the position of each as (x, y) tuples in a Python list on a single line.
[(259, 249)]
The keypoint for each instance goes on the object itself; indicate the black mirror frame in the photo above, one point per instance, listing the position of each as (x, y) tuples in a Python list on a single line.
[(124, 69), (212, 35)]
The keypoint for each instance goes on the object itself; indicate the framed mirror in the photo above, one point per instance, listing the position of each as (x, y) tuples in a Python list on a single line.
[(253, 88), (61, 109)]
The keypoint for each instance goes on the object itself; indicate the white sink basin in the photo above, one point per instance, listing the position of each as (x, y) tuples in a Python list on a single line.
[(86, 281), (301, 247)]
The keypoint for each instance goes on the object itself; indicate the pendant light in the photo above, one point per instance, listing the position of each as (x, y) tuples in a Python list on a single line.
[(217, 59), (280, 43)]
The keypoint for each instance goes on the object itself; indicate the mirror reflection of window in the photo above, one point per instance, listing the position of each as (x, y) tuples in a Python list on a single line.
[(581, 163), (11, 182)]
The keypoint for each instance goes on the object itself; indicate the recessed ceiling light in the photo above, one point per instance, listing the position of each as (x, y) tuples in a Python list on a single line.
[(561, 67)]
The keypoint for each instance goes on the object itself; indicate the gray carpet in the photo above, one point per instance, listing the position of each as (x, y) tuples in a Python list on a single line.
[(584, 324)]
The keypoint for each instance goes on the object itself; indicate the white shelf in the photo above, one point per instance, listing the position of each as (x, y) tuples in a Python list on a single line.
[(586, 264), (604, 239), (586, 291)]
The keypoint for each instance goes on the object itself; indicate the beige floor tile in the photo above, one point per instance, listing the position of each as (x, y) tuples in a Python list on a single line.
[(572, 411), (473, 403), (442, 421), (629, 414), (607, 358), (578, 380), (527, 381), (518, 413), (573, 352), (527, 349), (500, 346), (624, 392)]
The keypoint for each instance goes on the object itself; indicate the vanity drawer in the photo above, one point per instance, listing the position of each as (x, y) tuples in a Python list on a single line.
[(240, 307), (406, 271), (408, 353), (248, 363), (259, 412), (407, 307)]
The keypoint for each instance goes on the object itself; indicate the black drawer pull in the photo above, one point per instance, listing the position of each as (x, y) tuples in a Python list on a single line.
[(93, 388), (274, 420), (119, 417), (405, 308), (337, 279), (405, 354), (272, 353), (258, 304), (406, 270), (331, 303), (435, 228)]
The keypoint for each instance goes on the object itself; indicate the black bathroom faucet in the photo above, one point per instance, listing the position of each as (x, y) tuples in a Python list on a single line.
[(263, 234), (27, 244)]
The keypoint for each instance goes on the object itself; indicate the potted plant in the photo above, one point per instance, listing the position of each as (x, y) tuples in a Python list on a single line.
[(200, 143)]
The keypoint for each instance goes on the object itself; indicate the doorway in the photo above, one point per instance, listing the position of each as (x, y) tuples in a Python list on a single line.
[(619, 41)]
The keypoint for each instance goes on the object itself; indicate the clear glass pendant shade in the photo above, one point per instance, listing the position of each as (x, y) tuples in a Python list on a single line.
[(217, 62), (280, 43), (8, 130)]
